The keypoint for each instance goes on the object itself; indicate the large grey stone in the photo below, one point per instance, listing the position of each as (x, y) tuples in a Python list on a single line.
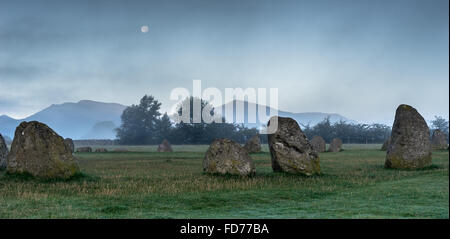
[(41, 152), (3, 152), (290, 150), (410, 146)]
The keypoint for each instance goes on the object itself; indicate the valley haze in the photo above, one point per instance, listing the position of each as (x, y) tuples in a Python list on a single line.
[(89, 119)]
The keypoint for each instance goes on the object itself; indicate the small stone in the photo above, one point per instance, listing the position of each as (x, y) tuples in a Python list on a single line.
[(439, 140), (385, 145), (84, 150), (101, 150), (318, 144), (121, 150), (253, 145), (225, 156), (70, 143), (165, 146), (335, 145)]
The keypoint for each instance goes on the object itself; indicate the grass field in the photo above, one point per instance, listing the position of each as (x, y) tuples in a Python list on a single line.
[(146, 184)]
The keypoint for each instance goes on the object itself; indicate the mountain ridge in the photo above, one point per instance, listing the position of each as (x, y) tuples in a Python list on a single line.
[(303, 118), (88, 119), (69, 119)]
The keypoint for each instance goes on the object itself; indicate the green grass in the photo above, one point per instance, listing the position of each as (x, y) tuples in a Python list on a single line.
[(146, 184)]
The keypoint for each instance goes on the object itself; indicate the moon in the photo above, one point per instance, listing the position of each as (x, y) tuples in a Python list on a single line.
[(144, 29)]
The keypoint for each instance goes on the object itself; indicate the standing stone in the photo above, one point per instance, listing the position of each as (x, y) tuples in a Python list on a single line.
[(410, 146), (39, 151), (385, 145), (336, 145), (253, 145), (101, 150), (290, 150), (165, 146), (225, 156), (84, 150), (121, 150), (70, 143), (318, 144), (3, 152), (439, 140)]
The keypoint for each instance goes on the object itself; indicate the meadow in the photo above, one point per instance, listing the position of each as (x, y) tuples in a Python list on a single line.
[(145, 184)]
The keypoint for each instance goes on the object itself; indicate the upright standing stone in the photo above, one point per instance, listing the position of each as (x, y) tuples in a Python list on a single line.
[(70, 143), (290, 150), (121, 150), (3, 152), (335, 145), (165, 146), (385, 145), (410, 146), (84, 150), (225, 156), (101, 150), (39, 151), (439, 140), (318, 144), (253, 145)]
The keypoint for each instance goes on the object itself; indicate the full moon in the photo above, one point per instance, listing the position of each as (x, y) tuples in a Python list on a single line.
[(144, 29)]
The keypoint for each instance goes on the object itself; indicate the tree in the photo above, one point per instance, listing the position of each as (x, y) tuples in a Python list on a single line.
[(439, 123), (349, 133), (139, 122), (205, 133), (163, 128), (190, 132)]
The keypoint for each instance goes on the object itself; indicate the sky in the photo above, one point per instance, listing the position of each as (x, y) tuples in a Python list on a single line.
[(358, 58)]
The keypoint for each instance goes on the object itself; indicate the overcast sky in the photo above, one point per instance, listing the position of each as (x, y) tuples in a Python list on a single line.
[(357, 58)]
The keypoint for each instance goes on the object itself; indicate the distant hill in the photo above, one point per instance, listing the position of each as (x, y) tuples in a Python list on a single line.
[(7, 139), (96, 120), (7, 125), (74, 120), (307, 118)]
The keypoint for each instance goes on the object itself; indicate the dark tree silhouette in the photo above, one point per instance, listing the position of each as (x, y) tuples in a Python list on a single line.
[(139, 122)]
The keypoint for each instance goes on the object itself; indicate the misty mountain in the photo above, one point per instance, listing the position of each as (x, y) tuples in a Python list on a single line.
[(96, 120), (7, 139), (307, 118), (7, 125), (74, 120)]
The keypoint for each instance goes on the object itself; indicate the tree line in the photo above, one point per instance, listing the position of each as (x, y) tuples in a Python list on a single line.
[(143, 124), (439, 123), (349, 133)]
